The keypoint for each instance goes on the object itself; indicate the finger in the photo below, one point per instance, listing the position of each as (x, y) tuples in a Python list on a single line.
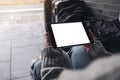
[(93, 36), (47, 43), (47, 34)]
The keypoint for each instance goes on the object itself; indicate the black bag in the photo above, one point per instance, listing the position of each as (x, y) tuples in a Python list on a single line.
[(108, 32), (70, 11)]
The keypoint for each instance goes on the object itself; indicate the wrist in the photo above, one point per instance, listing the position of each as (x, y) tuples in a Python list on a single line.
[(51, 57), (87, 47)]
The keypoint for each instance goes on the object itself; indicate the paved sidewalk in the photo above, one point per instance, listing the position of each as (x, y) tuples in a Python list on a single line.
[(21, 40)]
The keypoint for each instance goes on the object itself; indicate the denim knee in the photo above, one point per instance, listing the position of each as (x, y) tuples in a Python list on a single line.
[(80, 57)]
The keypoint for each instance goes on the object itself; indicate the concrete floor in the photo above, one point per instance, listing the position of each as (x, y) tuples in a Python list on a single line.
[(21, 40)]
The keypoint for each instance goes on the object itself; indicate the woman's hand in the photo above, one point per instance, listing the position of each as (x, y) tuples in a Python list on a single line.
[(47, 42), (88, 46)]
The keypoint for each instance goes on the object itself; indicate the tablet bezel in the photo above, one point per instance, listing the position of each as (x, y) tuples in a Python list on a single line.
[(53, 38)]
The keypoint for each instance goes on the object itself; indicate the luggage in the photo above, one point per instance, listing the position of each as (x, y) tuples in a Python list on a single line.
[(54, 10)]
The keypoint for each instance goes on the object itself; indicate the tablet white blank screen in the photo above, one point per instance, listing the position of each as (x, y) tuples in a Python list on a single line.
[(67, 34)]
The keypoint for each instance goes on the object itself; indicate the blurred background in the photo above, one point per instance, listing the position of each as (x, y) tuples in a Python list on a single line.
[(21, 37), (18, 2)]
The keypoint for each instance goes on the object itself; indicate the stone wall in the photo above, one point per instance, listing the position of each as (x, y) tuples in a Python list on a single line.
[(107, 9)]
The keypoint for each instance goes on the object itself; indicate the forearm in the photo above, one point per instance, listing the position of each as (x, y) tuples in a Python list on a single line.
[(52, 63), (97, 50)]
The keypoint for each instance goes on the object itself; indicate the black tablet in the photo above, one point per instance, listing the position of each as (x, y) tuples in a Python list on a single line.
[(69, 34)]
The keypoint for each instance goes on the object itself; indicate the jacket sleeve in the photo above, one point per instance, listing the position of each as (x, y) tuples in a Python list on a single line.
[(52, 63), (97, 50)]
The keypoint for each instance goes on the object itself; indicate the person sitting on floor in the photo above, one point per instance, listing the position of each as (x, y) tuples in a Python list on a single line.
[(54, 60)]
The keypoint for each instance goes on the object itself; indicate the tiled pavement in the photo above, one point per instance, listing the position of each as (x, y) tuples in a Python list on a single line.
[(21, 40)]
